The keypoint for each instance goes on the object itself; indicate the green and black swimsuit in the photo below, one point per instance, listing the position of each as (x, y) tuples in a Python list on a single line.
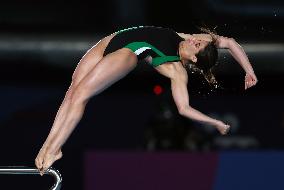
[(159, 43)]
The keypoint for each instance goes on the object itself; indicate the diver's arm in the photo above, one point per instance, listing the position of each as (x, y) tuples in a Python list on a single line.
[(240, 56), (205, 37), (178, 76), (181, 98), (236, 51), (186, 36)]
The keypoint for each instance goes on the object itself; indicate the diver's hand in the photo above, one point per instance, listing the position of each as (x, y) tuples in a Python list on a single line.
[(222, 127), (45, 159), (250, 80)]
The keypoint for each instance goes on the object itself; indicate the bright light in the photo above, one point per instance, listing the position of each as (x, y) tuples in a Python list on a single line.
[(158, 89)]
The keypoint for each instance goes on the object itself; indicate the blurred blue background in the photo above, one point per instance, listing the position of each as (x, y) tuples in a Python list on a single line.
[(41, 42)]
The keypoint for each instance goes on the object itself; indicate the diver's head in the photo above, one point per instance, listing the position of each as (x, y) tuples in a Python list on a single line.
[(200, 54), (190, 48)]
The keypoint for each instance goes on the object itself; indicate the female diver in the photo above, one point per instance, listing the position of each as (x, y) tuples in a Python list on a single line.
[(116, 55)]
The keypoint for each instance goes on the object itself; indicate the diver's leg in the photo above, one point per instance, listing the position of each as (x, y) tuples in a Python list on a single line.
[(109, 70), (86, 64), (90, 59)]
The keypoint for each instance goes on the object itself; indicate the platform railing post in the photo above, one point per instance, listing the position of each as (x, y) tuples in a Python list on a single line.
[(22, 170)]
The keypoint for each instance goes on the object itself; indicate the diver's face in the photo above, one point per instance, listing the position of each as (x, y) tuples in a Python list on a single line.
[(189, 48)]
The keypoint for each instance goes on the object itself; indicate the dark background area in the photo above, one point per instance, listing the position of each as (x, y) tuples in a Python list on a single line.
[(41, 43)]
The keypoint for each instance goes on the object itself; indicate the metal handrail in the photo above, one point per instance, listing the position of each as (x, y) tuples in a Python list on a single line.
[(34, 171)]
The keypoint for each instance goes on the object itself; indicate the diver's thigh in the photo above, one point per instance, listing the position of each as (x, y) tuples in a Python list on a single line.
[(90, 60), (110, 69)]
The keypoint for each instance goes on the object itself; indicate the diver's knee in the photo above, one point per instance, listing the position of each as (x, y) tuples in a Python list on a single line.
[(79, 95)]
